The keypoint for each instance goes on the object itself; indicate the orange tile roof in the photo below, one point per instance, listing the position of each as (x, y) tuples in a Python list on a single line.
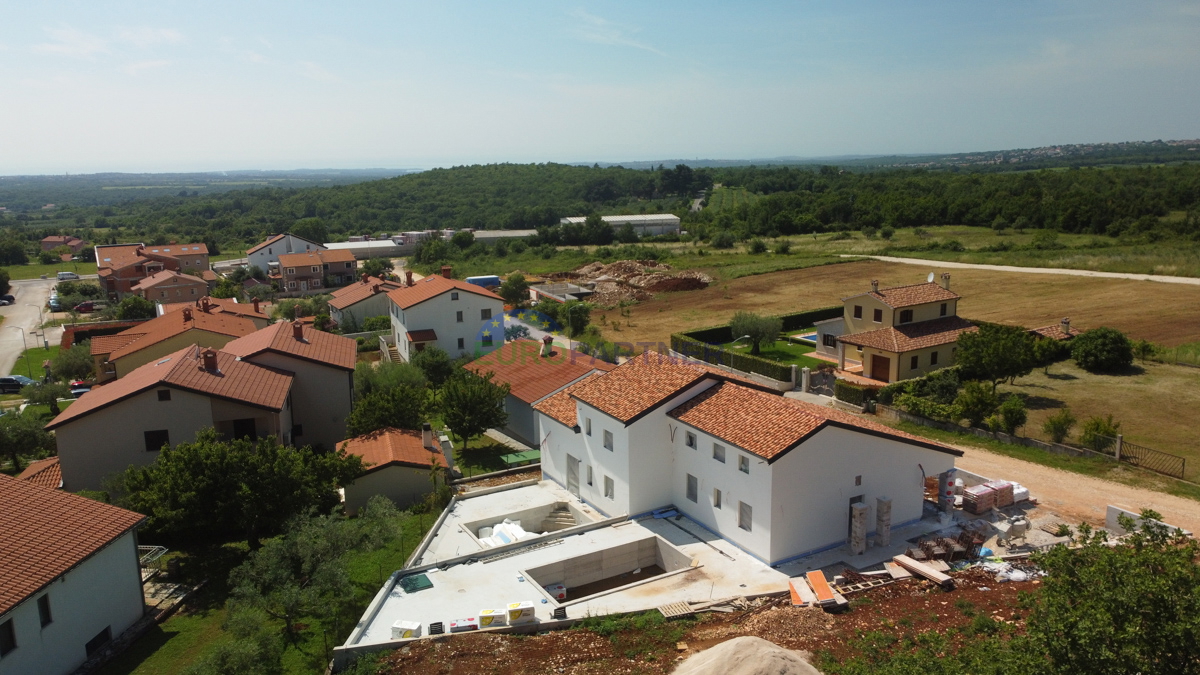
[(912, 336), (314, 345), (423, 335), (107, 344), (222, 306), (268, 242), (914, 294), (234, 380), (531, 376), (1055, 332), (768, 425), (433, 286), (315, 258), (174, 250), (209, 275), (172, 324), (167, 276), (43, 472), (389, 446), (117, 256), (49, 532), (561, 406), (359, 290)]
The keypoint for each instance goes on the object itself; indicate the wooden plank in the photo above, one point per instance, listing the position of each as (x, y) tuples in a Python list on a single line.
[(820, 587), (676, 610), (939, 565), (802, 594), (897, 571), (925, 571)]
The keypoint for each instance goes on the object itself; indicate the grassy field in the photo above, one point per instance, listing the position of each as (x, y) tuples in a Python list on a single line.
[(31, 360), (782, 351), (728, 198), (35, 271)]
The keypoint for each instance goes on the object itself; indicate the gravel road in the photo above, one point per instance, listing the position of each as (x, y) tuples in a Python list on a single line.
[(1162, 278)]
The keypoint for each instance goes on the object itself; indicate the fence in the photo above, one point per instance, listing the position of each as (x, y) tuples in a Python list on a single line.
[(1148, 458)]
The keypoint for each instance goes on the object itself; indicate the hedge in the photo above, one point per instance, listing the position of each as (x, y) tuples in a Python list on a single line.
[(852, 393), (716, 335), (711, 353)]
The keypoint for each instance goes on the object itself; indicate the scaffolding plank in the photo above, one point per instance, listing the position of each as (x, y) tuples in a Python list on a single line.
[(925, 571), (820, 587), (897, 571), (802, 594)]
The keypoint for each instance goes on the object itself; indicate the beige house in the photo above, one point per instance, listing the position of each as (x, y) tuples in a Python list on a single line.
[(399, 464), (118, 355), (171, 286), (352, 305), (900, 332)]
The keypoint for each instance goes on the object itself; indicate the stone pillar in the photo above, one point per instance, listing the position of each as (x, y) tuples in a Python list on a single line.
[(841, 356), (1120, 446), (795, 380), (883, 521), (858, 528), (805, 374)]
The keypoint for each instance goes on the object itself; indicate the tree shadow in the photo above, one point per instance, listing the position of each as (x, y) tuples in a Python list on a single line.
[(1061, 376), (1042, 403), (1128, 371)]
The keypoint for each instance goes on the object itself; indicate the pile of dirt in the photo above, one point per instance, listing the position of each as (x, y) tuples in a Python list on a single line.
[(634, 280), (747, 655)]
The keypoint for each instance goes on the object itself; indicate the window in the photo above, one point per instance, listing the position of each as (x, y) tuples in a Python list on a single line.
[(485, 314), (858, 480), (155, 440), (297, 430), (915, 360), (44, 610), (97, 643), (461, 342), (291, 270), (858, 311), (829, 340), (943, 310), (316, 269), (609, 490), (716, 498), (690, 440), (8, 638), (164, 394), (587, 425), (291, 284), (193, 291), (589, 474), (458, 317), (719, 452), (164, 294), (487, 340), (316, 283), (693, 488), (933, 358), (745, 516), (743, 464), (349, 265), (608, 444), (454, 295), (877, 317), (906, 316)]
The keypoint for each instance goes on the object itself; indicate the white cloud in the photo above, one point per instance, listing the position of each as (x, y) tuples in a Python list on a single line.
[(145, 36), (139, 66), (314, 71), (72, 42), (250, 55), (601, 31)]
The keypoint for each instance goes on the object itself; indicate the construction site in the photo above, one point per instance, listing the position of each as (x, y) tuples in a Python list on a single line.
[(621, 282)]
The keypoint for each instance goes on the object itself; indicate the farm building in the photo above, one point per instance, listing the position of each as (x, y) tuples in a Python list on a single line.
[(642, 224)]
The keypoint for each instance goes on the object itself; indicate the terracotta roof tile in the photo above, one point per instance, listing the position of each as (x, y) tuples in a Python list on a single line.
[(47, 533), (423, 335), (234, 380), (390, 446), (266, 243), (107, 344), (117, 256), (768, 425), (359, 290), (167, 276), (1056, 332), (43, 472), (433, 286), (912, 336), (315, 258), (172, 324), (174, 250), (914, 294), (561, 406), (532, 377), (222, 306), (314, 345)]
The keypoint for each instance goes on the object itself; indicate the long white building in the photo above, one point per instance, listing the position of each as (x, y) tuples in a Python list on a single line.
[(643, 224)]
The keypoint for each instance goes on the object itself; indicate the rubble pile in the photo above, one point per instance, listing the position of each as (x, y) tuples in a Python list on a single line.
[(633, 280)]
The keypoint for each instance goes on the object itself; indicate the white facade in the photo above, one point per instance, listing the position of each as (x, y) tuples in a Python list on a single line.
[(103, 592), (456, 317), (263, 257), (642, 224), (372, 305)]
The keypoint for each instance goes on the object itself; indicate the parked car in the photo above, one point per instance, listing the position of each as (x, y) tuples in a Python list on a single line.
[(4, 303), (87, 306), (76, 393), (82, 384), (13, 384), (67, 276), (54, 305), (9, 298)]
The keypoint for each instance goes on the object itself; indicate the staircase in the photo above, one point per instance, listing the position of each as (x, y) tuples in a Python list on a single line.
[(393, 354), (559, 519)]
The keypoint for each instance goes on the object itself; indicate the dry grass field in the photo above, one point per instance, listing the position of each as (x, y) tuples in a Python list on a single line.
[(1168, 314)]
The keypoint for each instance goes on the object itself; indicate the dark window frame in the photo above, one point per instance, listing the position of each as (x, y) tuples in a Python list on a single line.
[(858, 311), (44, 614), (877, 316), (8, 638), (906, 316), (151, 446), (915, 362), (164, 394)]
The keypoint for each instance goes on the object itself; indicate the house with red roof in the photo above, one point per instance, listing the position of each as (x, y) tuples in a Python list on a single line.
[(398, 464), (460, 318), (120, 267), (777, 477), (315, 271), (44, 472), (265, 256), (254, 310), (171, 286), (118, 355), (55, 240), (353, 304), (69, 577), (128, 421)]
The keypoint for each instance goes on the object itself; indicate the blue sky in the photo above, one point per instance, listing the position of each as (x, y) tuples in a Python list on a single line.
[(172, 86)]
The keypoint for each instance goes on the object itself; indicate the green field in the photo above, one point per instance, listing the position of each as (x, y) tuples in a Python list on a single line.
[(37, 270), (729, 198), (29, 363), (783, 351)]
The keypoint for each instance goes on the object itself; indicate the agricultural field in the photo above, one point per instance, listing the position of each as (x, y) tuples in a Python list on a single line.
[(730, 198)]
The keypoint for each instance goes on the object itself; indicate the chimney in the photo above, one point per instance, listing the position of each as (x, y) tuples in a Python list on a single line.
[(1066, 325), (407, 278), (256, 306), (210, 360), (427, 436), (874, 285), (297, 330), (446, 271), (187, 313), (204, 306), (296, 311), (946, 280), (365, 277)]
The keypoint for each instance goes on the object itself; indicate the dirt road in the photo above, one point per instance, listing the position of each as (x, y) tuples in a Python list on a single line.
[(1162, 278), (1079, 498)]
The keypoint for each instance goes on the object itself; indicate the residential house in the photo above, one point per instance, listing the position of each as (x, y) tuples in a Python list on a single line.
[(531, 378), (323, 366), (1061, 331), (399, 463), (313, 272), (118, 355), (69, 577), (55, 240), (254, 310), (458, 317), (121, 266), (351, 305), (127, 421), (265, 256), (901, 332), (43, 472), (777, 477), (171, 286)]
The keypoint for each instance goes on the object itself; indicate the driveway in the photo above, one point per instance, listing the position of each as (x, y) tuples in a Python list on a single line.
[(31, 294), (1191, 281)]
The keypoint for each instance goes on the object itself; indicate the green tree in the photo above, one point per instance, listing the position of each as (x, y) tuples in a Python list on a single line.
[(1012, 414), (1144, 349), (4, 282), (134, 307), (376, 267), (46, 394), (211, 491), (759, 330), (73, 364), (756, 246), (435, 363), (976, 402), (322, 322), (995, 353), (400, 407), (1058, 426), (252, 648), (472, 404), (1098, 433), (376, 323), (575, 315), (1046, 351), (462, 240), (22, 434), (312, 229), (226, 288), (724, 240), (1102, 350), (385, 375), (515, 290)]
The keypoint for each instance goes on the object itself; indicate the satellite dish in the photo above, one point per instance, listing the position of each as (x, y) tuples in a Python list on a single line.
[(929, 278)]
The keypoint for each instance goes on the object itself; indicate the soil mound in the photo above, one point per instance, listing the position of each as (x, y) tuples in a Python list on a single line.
[(747, 655)]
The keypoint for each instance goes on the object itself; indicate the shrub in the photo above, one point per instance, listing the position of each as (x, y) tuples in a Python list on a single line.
[(890, 393), (853, 393), (840, 236), (887, 232), (783, 247), (977, 401), (724, 240), (374, 323), (927, 408), (1144, 349), (1099, 432), (1012, 414), (1058, 426), (757, 246), (1102, 350)]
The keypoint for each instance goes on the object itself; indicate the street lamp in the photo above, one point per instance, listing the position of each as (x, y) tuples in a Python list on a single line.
[(25, 348), (41, 324)]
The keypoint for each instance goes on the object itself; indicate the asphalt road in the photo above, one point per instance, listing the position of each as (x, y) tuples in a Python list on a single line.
[(22, 317)]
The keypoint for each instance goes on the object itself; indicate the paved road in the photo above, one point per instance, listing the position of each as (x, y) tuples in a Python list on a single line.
[(1191, 281), (24, 317)]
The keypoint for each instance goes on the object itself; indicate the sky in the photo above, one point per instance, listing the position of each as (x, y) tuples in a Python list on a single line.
[(171, 86)]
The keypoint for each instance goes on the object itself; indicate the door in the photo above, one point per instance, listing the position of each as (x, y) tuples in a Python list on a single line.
[(573, 475), (244, 428), (881, 368)]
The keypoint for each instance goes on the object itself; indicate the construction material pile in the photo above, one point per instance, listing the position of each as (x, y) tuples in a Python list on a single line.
[(634, 280), (747, 655)]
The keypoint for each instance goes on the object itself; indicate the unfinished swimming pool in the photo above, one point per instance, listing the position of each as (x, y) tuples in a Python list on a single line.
[(599, 572)]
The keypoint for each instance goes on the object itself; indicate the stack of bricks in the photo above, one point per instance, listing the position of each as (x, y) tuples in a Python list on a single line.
[(1004, 492), (979, 499)]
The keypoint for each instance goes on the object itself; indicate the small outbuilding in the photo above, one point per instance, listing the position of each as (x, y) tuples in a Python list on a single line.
[(399, 463)]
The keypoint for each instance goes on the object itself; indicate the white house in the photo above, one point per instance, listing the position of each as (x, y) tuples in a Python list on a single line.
[(267, 253), (775, 476), (398, 463), (643, 224), (460, 318), (69, 577), (351, 305)]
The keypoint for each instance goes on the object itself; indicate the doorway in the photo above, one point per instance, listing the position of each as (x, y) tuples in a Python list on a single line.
[(573, 475), (244, 428), (881, 368)]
